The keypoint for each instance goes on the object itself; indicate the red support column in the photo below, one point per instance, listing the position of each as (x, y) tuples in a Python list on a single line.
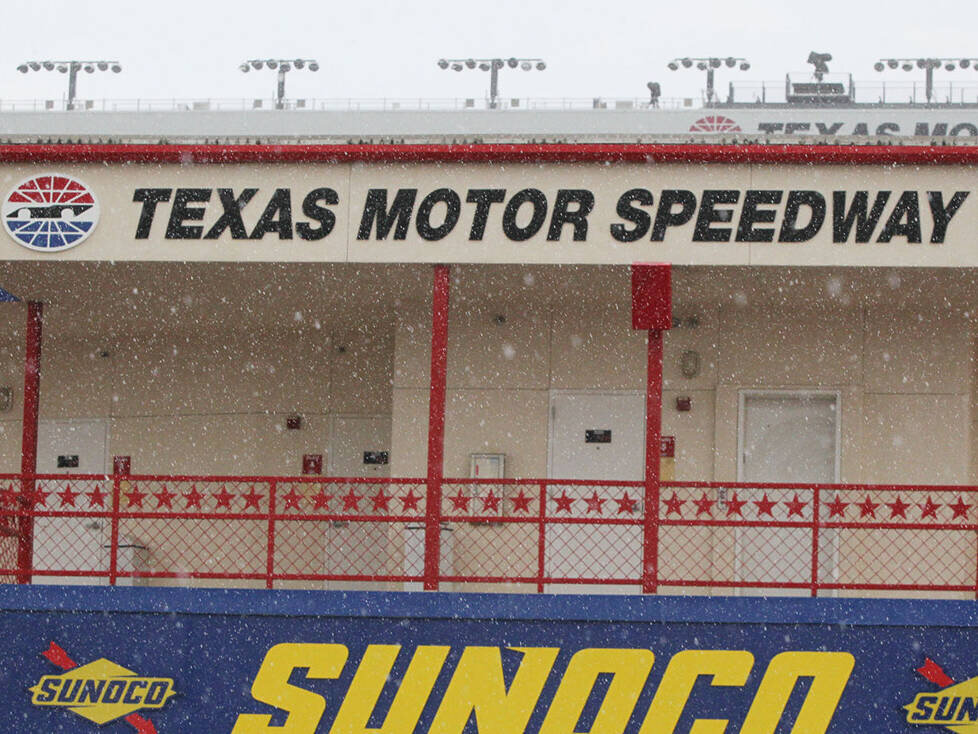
[(28, 450), (436, 426), (653, 440), (652, 311)]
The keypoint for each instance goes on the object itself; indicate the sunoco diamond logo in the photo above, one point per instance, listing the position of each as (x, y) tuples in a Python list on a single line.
[(50, 213)]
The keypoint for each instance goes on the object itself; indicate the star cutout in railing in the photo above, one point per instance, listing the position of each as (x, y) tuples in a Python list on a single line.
[(521, 503), (594, 503), (674, 505), (67, 496), (960, 509), (735, 505), (626, 505), (765, 506), (460, 501), (898, 508), (490, 503), (351, 501), (193, 497), (867, 508), (381, 501), (928, 509), (411, 500), (321, 500), (252, 499), (563, 502), (96, 497), (224, 498), (796, 506), (164, 498), (292, 499), (704, 505), (837, 508), (134, 498)]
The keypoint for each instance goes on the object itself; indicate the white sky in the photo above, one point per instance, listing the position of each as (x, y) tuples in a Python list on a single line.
[(380, 48)]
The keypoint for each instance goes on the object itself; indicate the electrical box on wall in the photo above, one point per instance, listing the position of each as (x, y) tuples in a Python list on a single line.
[(487, 466), (377, 458)]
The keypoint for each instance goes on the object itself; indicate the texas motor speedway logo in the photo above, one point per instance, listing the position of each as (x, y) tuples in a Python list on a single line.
[(50, 212)]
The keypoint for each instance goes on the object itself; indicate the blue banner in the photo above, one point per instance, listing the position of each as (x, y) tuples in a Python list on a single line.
[(243, 662)]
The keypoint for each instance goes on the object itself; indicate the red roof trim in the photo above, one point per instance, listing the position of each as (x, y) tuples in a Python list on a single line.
[(536, 153)]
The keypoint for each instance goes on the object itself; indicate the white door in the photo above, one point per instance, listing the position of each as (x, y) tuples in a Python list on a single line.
[(785, 437), (600, 436), (359, 446), (66, 543)]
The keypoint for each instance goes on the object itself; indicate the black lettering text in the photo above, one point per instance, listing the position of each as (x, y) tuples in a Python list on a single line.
[(639, 217), (665, 217), (751, 215), (584, 201), (453, 208), (790, 231), (843, 219), (904, 221), (312, 209), (231, 218), (538, 201), (375, 208), (277, 217), (483, 199), (941, 214), (709, 214), (180, 213)]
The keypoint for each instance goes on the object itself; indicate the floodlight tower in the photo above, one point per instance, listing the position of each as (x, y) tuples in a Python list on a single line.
[(928, 65), (709, 64), (492, 66), (283, 66), (71, 68)]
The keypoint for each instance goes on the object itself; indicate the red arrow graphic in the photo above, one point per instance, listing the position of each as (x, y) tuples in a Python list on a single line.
[(935, 673)]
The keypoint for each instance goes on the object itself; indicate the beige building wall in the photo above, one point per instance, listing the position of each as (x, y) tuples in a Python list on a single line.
[(201, 402), (905, 379), (215, 401)]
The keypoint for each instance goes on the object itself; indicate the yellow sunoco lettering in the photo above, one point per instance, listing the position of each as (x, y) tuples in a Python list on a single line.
[(477, 685), (368, 683), (829, 672), (728, 668), (272, 687), (630, 669)]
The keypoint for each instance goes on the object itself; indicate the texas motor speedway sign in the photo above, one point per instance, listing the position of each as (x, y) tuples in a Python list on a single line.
[(743, 214)]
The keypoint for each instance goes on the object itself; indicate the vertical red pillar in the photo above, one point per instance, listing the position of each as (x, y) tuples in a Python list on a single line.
[(28, 450), (436, 426), (652, 311)]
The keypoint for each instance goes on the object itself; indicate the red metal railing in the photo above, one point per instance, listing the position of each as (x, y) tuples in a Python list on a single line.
[(535, 534)]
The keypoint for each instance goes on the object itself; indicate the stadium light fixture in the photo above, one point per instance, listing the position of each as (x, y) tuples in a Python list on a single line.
[(281, 67), (71, 68), (928, 65), (492, 66), (709, 64)]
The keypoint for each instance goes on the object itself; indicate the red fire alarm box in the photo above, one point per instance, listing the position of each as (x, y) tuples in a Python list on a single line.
[(122, 465), (312, 463), (667, 447)]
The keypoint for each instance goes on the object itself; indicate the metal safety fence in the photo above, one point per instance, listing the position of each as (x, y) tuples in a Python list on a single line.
[(526, 535)]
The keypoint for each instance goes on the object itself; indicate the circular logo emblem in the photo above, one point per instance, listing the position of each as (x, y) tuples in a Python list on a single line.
[(714, 124), (50, 213)]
